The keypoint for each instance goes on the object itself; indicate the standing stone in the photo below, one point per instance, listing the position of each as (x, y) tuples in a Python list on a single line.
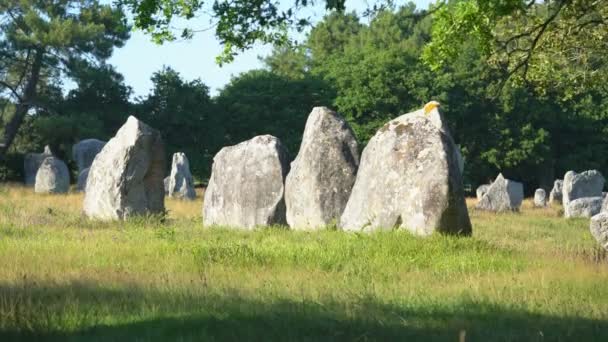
[(540, 198), (52, 177), (84, 152), (481, 190), (599, 228), (322, 175), (126, 177), (247, 184), (409, 179), (181, 183), (166, 184), (32, 162), (584, 207), (555, 197), (503, 195), (81, 185), (585, 184)]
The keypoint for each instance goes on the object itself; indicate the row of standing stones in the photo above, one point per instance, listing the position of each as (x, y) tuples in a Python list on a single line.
[(581, 195), (408, 177)]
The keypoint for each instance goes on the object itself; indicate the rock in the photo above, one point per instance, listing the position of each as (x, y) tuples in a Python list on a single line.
[(540, 198), (32, 162), (52, 177), (247, 184), (584, 207), (460, 159), (555, 197), (409, 179), (481, 190), (585, 184), (81, 185), (180, 182), (84, 152), (502, 195), (126, 177), (599, 229), (166, 184), (322, 176)]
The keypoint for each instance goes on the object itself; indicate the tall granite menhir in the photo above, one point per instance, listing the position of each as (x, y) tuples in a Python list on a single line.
[(31, 163), (409, 179), (126, 177), (180, 183), (322, 175), (246, 187)]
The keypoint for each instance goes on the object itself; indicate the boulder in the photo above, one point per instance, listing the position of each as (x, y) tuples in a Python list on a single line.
[(540, 198), (166, 184), (502, 195), (584, 207), (126, 177), (84, 152), (481, 190), (322, 175), (31, 163), (52, 177), (555, 196), (585, 184), (599, 229), (81, 185), (246, 187), (180, 182), (409, 179)]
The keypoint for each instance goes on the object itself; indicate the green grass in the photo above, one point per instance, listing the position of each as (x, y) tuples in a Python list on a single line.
[(530, 276)]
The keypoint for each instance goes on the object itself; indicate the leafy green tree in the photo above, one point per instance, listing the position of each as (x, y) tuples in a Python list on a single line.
[(40, 41), (187, 118)]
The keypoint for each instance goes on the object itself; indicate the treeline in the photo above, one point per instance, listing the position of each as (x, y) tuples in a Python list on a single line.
[(369, 70)]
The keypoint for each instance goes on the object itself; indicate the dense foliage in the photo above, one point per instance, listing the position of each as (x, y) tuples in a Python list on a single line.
[(370, 70)]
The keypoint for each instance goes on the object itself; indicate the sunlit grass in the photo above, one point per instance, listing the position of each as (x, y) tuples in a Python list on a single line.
[(531, 275)]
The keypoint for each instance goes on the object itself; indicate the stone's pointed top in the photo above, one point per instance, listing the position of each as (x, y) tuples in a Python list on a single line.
[(500, 176), (47, 150), (430, 106), (322, 109)]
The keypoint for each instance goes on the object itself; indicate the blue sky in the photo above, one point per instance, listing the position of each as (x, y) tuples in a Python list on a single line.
[(195, 58)]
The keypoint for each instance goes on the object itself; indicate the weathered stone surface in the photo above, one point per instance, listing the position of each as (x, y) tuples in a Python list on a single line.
[(584, 207), (81, 185), (540, 198), (555, 197), (180, 182), (32, 162), (409, 179), (503, 195), (126, 177), (599, 229), (322, 176), (166, 184), (84, 152), (246, 187), (52, 176), (585, 184), (481, 190)]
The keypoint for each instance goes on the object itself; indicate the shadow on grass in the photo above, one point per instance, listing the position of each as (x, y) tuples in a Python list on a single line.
[(86, 312)]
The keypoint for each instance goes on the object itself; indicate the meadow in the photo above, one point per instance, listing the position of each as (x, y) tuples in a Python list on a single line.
[(528, 276)]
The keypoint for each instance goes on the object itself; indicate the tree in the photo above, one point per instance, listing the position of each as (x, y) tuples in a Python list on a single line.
[(185, 115), (40, 41)]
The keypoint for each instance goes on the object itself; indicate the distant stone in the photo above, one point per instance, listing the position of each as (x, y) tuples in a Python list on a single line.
[(84, 152), (322, 176), (578, 185), (540, 198), (166, 184), (481, 190), (52, 177), (180, 184), (599, 229), (81, 185), (503, 195), (32, 162), (555, 196), (409, 179), (246, 187), (126, 177), (584, 207)]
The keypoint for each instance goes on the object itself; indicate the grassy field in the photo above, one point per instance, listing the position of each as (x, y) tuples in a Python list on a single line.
[(532, 276)]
